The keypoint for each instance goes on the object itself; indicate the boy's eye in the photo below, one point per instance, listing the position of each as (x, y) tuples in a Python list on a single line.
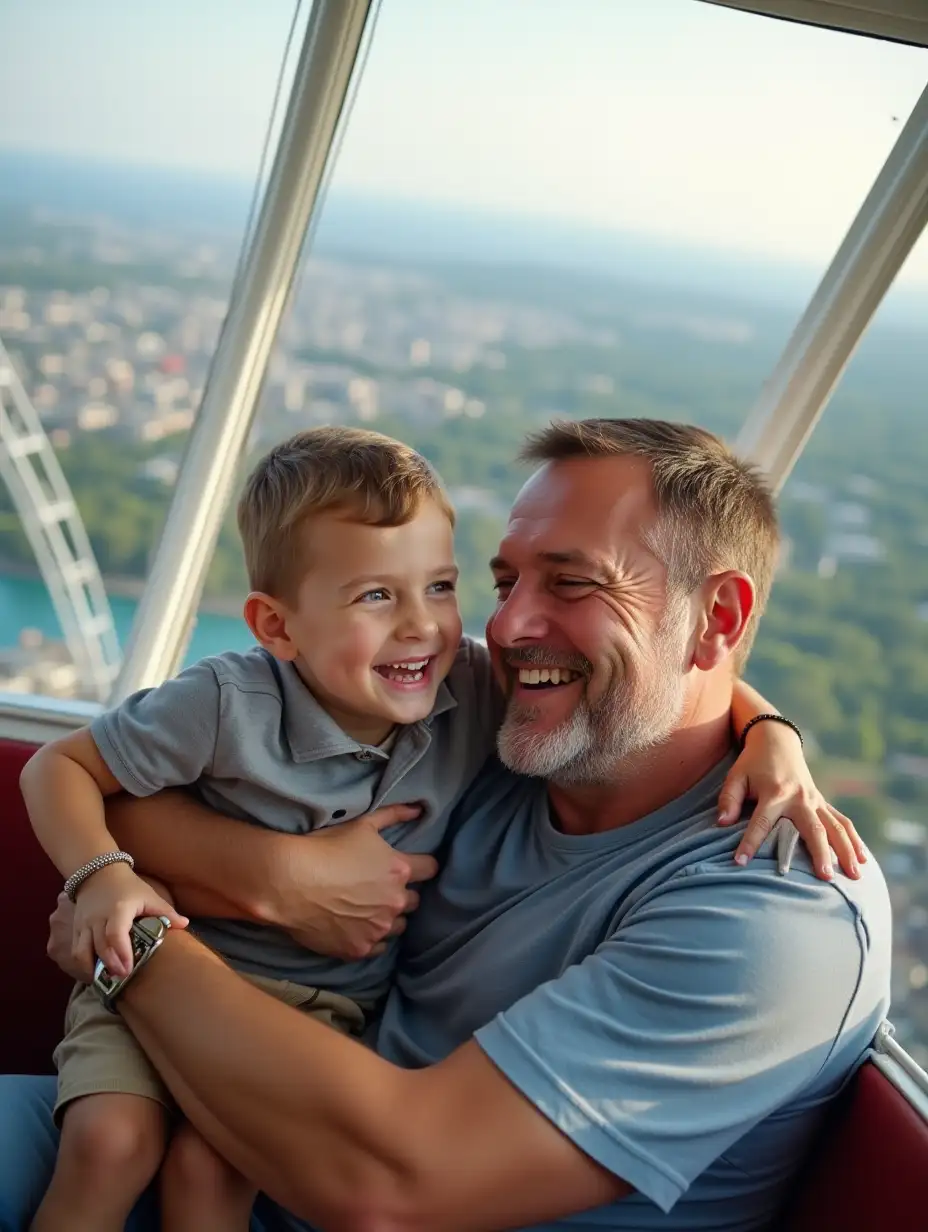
[(446, 587), (374, 596)]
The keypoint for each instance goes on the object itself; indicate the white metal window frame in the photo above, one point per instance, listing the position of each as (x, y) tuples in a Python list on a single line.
[(904, 21)]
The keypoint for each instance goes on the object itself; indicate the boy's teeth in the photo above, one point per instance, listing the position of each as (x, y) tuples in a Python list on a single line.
[(417, 666)]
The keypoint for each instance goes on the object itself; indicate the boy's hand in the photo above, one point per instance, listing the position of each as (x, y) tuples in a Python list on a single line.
[(107, 903), (772, 770), (343, 890)]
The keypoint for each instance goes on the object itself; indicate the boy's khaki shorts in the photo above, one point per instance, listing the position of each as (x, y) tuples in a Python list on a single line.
[(99, 1054)]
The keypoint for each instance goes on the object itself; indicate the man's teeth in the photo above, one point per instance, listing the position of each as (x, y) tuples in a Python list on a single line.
[(547, 675)]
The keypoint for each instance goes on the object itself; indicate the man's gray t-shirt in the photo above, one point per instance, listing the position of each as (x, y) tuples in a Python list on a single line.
[(247, 734), (684, 1021)]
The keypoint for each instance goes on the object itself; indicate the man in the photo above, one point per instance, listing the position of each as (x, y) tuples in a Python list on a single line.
[(601, 1020)]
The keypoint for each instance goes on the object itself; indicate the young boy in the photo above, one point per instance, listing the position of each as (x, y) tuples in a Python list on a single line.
[(360, 693)]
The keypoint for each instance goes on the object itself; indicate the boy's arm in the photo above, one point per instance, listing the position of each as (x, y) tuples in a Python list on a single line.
[(64, 785), (156, 738), (772, 770), (216, 866)]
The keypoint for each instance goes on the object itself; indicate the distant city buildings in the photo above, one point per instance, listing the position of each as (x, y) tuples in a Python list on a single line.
[(360, 341)]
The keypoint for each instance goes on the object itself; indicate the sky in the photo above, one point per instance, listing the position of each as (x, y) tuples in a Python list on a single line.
[(674, 118)]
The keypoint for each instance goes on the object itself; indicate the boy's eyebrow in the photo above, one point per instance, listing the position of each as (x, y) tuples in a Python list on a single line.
[(381, 579)]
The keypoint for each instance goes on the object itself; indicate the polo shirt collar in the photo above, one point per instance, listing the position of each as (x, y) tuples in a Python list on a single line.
[(311, 731)]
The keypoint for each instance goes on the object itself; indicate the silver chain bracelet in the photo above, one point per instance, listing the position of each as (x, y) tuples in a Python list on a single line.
[(77, 879)]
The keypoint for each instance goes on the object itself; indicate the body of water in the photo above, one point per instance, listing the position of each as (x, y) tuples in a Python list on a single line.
[(24, 604)]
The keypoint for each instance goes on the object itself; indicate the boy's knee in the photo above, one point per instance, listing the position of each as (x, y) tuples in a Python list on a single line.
[(106, 1135), (192, 1163)]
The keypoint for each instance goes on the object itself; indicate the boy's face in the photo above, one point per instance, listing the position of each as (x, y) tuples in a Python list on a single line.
[(375, 626)]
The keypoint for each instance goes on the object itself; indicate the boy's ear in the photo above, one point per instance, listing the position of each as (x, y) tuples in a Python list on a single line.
[(266, 617)]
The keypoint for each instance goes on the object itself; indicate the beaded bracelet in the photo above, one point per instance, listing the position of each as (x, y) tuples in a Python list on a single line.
[(773, 718), (77, 879)]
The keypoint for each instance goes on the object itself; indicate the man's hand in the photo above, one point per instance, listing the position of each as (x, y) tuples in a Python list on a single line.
[(75, 961), (342, 890), (107, 903), (60, 948)]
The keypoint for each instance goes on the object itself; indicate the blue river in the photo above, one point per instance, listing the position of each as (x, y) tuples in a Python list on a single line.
[(24, 603)]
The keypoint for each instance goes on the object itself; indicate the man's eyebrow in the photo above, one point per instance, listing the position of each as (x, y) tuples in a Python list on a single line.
[(573, 557)]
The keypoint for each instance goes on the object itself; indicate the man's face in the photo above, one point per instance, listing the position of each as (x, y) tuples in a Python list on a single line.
[(589, 646)]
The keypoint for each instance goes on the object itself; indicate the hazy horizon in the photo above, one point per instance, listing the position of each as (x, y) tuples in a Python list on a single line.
[(355, 223), (678, 120)]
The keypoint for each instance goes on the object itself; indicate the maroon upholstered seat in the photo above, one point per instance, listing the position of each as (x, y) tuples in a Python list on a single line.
[(34, 991), (869, 1172)]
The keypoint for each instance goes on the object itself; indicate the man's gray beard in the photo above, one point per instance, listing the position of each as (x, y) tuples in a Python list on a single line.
[(594, 745)]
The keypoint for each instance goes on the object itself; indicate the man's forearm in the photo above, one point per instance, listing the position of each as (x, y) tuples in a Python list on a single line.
[(280, 1096), (214, 866)]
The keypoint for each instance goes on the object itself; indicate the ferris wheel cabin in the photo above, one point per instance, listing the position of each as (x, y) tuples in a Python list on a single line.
[(869, 1172)]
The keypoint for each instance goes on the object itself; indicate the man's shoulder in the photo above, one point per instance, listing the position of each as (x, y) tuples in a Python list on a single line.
[(776, 895), (831, 939)]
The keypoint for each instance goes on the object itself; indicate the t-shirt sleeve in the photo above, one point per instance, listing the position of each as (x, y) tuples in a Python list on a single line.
[(163, 737), (710, 1005)]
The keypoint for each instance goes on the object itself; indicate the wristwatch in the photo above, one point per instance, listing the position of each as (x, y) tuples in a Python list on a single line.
[(145, 936)]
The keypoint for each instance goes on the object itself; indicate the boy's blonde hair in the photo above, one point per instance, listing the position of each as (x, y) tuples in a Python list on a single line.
[(371, 478)]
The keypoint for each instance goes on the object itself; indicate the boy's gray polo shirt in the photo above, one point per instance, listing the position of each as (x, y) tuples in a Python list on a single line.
[(245, 732)]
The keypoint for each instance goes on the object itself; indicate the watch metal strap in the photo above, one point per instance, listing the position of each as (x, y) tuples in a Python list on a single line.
[(145, 935)]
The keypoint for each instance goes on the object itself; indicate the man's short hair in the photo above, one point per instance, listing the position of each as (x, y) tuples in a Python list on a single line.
[(371, 478), (716, 511)]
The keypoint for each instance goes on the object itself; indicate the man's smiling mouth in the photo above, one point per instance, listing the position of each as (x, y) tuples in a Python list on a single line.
[(547, 677)]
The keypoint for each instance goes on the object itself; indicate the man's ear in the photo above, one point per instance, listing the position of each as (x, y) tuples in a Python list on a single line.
[(266, 617), (727, 603)]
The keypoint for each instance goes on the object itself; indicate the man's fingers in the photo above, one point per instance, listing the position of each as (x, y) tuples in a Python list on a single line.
[(392, 814), (421, 868), (398, 926)]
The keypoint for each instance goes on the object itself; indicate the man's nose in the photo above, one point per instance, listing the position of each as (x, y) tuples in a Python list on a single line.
[(519, 618)]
